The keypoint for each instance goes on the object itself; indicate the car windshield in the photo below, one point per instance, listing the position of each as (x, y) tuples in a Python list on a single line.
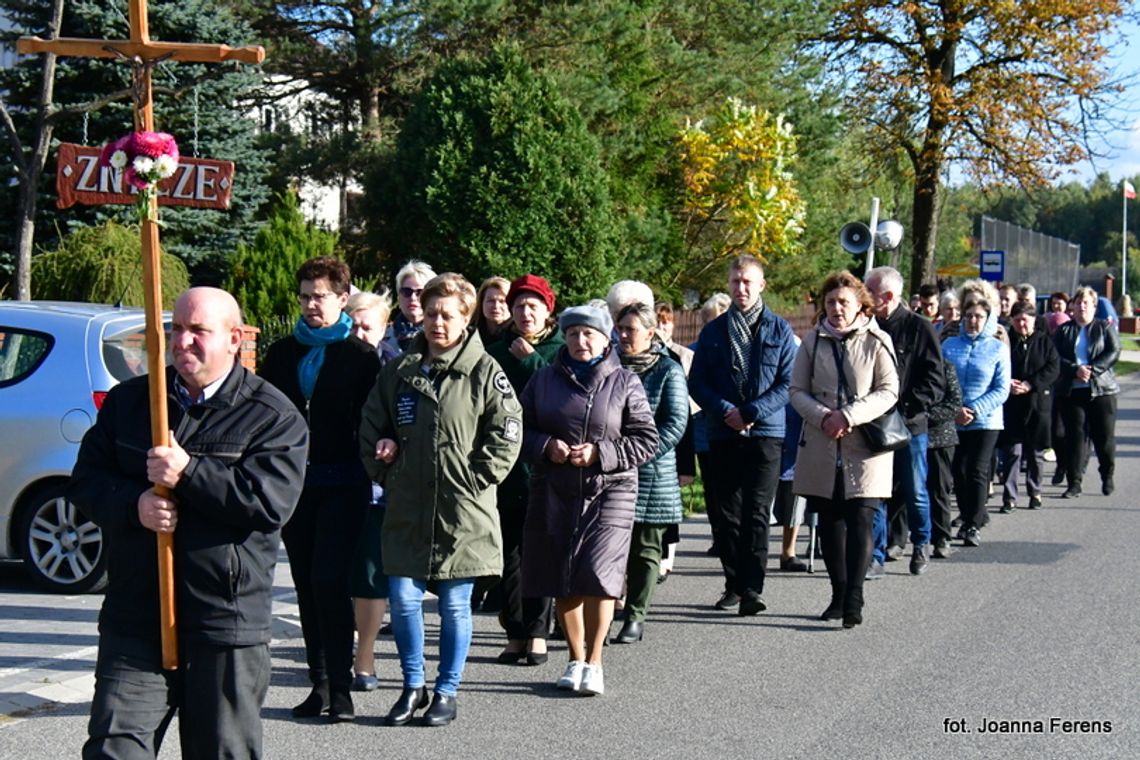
[(124, 353)]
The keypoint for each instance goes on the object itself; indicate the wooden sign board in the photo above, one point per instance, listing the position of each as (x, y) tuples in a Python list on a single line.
[(198, 182)]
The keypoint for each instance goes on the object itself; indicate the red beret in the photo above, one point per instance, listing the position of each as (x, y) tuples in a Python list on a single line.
[(531, 283)]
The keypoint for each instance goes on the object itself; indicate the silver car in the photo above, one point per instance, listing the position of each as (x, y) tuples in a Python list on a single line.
[(57, 362)]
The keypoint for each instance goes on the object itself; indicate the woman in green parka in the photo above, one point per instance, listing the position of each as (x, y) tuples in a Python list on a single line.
[(531, 341), (441, 428)]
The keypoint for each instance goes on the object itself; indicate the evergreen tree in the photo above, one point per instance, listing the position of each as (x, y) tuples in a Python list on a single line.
[(494, 173)]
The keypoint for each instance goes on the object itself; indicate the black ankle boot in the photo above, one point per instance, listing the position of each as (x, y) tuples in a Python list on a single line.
[(834, 610), (410, 700), (442, 710), (315, 703), (340, 706), (853, 608)]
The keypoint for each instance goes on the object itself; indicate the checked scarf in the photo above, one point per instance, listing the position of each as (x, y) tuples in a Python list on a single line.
[(741, 330)]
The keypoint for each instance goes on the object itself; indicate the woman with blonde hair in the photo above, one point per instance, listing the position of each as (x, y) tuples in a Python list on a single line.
[(494, 311), (845, 376)]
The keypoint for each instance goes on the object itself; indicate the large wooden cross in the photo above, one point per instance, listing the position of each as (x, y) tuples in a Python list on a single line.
[(142, 54)]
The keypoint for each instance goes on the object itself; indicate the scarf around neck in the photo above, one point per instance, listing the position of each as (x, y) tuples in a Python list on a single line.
[(641, 363), (841, 333), (741, 329), (317, 339)]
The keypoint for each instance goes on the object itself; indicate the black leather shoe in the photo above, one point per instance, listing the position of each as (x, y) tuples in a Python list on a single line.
[(442, 710), (630, 633), (1107, 486), (751, 604), (918, 563), (340, 707), (508, 657), (1072, 492), (852, 618), (410, 700), (793, 565), (727, 601), (315, 703), (537, 658), (834, 610), (853, 608), (1035, 502), (1058, 477)]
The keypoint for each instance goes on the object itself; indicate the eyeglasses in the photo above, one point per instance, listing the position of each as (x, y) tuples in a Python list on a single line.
[(411, 292), (314, 297)]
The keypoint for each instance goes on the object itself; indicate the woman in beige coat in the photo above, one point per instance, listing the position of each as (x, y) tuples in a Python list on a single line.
[(842, 479)]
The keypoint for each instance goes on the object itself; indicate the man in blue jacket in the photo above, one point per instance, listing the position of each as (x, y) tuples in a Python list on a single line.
[(742, 368), (234, 467)]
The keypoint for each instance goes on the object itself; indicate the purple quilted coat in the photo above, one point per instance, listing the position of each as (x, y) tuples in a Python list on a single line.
[(579, 520)]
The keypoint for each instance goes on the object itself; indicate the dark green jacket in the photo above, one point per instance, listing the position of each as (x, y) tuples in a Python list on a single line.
[(513, 491), (658, 489), (458, 436)]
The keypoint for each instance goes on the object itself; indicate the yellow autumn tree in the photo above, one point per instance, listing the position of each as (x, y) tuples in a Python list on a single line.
[(739, 194), (1003, 89)]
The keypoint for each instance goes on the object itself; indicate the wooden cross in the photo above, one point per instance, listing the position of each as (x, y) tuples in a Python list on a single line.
[(143, 53)]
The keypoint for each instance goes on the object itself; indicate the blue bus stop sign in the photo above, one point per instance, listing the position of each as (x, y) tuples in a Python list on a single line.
[(991, 265)]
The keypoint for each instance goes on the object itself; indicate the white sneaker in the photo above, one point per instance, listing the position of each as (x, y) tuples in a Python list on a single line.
[(571, 679), (1049, 455), (592, 681)]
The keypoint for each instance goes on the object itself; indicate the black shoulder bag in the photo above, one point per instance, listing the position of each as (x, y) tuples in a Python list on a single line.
[(887, 432)]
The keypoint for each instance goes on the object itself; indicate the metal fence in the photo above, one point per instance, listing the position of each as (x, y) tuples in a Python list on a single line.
[(1049, 264)]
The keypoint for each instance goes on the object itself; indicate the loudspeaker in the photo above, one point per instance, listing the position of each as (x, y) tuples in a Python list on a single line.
[(888, 235), (855, 237)]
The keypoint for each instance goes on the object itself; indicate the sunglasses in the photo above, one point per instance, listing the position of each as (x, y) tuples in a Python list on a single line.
[(411, 292)]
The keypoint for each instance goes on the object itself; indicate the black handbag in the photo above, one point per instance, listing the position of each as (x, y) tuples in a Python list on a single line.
[(888, 431)]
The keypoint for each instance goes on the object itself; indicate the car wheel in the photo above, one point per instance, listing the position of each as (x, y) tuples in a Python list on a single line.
[(63, 550)]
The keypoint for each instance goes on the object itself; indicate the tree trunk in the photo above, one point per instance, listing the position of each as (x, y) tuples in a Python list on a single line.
[(34, 168), (924, 224)]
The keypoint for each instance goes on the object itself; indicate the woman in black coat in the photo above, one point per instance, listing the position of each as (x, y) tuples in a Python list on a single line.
[(327, 373), (1028, 409)]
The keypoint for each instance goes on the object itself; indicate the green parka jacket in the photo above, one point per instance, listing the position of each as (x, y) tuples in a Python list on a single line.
[(458, 434)]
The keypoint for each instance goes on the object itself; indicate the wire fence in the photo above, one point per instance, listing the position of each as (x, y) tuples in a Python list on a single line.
[(1049, 264)]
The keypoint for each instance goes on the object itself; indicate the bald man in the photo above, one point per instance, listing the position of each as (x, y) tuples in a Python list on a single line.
[(234, 466)]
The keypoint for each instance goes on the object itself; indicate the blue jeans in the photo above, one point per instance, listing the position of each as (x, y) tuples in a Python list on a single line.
[(911, 466), (407, 603), (879, 534)]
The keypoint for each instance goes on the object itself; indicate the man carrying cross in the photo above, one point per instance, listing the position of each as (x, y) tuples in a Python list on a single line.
[(234, 467)]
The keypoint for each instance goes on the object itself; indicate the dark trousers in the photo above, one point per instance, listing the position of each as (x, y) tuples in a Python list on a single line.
[(526, 617), (1099, 414), (741, 483), (940, 486), (320, 539), (1011, 456), (712, 510), (642, 568), (845, 535), (217, 692), (972, 475)]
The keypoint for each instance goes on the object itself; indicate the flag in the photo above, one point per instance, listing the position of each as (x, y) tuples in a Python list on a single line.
[(1129, 190)]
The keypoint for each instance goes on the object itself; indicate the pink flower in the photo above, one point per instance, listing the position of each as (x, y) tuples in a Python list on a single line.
[(153, 145), (110, 148), (133, 179)]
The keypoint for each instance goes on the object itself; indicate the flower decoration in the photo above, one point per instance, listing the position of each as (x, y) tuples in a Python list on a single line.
[(145, 158)]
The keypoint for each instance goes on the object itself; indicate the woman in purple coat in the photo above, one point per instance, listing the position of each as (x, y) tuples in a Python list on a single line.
[(587, 427)]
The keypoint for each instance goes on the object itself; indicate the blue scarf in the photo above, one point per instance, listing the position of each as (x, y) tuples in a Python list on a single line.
[(317, 339)]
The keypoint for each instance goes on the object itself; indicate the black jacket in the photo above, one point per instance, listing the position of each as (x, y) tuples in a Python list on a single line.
[(941, 431), (922, 382), (1027, 416), (333, 414), (247, 450), (1104, 350)]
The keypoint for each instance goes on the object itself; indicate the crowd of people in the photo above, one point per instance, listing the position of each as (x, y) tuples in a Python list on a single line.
[(494, 449)]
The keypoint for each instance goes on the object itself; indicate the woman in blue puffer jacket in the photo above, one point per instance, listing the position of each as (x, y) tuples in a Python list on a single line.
[(982, 364)]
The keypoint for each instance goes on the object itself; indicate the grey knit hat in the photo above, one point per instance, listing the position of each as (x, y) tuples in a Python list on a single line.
[(590, 316)]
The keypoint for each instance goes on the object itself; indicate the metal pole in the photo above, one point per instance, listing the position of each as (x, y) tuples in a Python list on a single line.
[(1124, 244), (871, 247)]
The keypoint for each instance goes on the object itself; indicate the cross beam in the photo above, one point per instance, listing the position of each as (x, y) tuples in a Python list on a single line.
[(142, 53)]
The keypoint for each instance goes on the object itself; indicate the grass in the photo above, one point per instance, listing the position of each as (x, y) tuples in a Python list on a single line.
[(1125, 368), (693, 497)]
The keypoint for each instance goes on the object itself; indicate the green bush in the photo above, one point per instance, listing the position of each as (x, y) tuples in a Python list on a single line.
[(495, 173), (103, 264), (262, 277)]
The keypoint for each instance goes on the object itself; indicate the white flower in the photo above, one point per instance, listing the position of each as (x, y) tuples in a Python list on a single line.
[(143, 165), (165, 165), (119, 159)]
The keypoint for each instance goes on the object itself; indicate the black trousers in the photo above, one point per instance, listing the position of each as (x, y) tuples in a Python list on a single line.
[(940, 485), (846, 537), (972, 474), (1099, 414), (217, 691), (741, 484), (1011, 456), (525, 617), (320, 539)]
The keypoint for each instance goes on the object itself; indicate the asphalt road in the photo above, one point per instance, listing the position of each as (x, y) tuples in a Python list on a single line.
[(1039, 623)]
